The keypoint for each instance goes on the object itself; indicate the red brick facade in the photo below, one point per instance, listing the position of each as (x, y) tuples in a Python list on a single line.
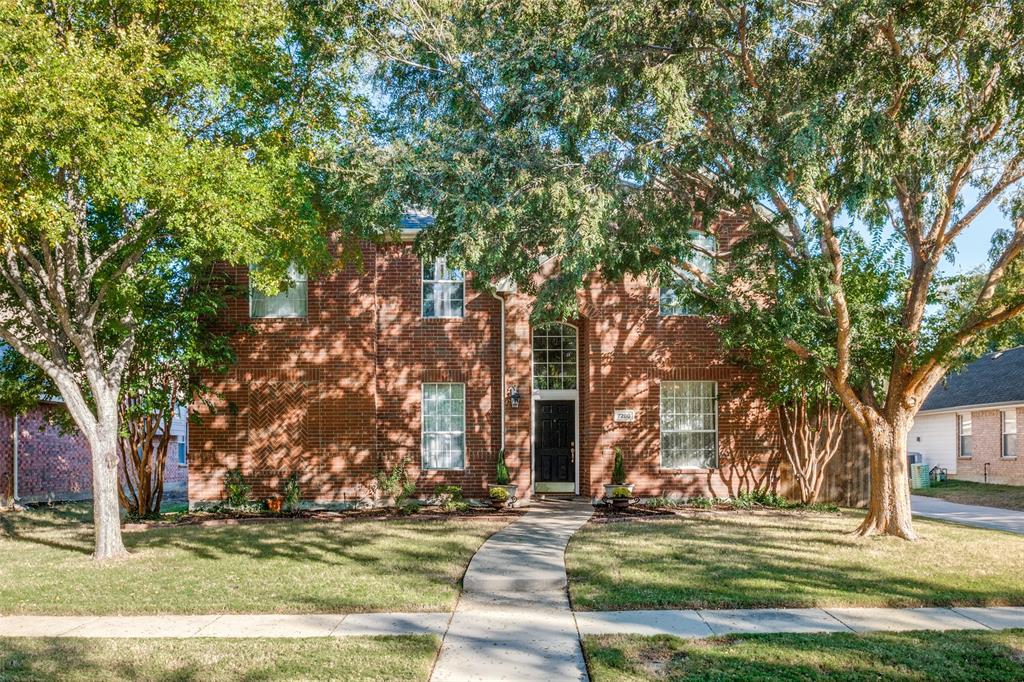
[(56, 466), (336, 396), (987, 463)]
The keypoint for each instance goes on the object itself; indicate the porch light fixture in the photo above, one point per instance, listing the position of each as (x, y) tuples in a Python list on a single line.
[(513, 395)]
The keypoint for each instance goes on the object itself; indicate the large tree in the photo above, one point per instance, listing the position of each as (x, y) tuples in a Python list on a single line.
[(859, 140), (134, 133)]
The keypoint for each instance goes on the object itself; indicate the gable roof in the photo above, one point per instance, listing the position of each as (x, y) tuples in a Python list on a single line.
[(992, 379)]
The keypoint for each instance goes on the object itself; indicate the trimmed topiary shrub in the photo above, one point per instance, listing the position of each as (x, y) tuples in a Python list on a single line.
[(501, 476), (619, 469)]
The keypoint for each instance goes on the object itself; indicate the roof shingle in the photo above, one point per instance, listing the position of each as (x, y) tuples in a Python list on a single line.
[(994, 378)]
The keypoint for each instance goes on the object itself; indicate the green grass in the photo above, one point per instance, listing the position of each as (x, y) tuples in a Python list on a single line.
[(281, 567), (777, 559), (984, 494), (355, 658), (947, 656)]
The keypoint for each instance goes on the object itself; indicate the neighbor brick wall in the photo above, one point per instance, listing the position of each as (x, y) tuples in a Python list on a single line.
[(986, 436), (336, 396), (53, 465)]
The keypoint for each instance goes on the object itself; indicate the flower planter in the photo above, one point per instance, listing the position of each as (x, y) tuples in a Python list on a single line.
[(510, 488), (609, 488), (274, 505), (620, 503), (499, 504)]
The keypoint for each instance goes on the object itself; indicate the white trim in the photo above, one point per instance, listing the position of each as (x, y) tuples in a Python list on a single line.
[(973, 408), (714, 400), (538, 395), (423, 421), (435, 281)]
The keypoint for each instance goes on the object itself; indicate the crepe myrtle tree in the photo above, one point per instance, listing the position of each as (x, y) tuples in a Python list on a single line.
[(857, 140), (132, 133)]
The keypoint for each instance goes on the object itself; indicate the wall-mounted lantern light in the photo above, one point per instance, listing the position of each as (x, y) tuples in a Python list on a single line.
[(513, 395)]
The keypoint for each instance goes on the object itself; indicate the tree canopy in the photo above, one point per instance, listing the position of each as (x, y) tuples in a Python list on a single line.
[(856, 139)]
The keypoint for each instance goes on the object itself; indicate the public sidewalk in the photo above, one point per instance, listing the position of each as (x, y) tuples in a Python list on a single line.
[(522, 623), (1009, 520)]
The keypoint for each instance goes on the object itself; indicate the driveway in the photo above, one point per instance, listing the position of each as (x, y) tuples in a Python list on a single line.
[(984, 517)]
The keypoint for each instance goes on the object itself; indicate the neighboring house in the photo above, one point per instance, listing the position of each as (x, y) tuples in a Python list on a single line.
[(968, 425), (55, 466), (342, 376)]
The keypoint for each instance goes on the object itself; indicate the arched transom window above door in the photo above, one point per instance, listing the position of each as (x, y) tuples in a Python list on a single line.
[(554, 357)]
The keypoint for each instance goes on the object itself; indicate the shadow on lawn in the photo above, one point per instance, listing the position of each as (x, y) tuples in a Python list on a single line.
[(725, 563), (965, 655)]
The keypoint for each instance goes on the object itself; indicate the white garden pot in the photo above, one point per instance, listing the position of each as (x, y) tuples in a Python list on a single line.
[(609, 487)]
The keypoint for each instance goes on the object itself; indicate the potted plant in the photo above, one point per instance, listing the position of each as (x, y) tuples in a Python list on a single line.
[(502, 478), (274, 505), (618, 476), (621, 497), (499, 497)]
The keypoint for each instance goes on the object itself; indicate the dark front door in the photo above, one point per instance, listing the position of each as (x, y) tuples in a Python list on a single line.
[(554, 441)]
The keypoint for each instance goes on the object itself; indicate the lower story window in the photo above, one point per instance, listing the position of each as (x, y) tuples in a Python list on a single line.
[(182, 455), (689, 424), (963, 428), (444, 426), (1009, 418)]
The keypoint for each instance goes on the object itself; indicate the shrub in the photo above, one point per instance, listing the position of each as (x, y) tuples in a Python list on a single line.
[(239, 493), (499, 494), (449, 498), (618, 470), (292, 493), (620, 493), (702, 502), (396, 483), (762, 497), (501, 476)]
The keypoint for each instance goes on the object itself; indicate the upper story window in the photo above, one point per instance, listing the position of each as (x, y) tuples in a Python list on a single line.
[(444, 290), (668, 299), (554, 356), (689, 424), (289, 303), (963, 432), (1009, 428)]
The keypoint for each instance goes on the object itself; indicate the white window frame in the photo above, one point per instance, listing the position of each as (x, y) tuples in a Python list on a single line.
[(1008, 420), (668, 299), (964, 429), (182, 454), (442, 264), (298, 281), (424, 432), (662, 432), (564, 328)]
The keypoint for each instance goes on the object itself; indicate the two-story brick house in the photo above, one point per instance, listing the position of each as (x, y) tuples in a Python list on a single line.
[(340, 376)]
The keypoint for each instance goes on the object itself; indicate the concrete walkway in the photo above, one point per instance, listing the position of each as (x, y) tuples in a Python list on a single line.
[(705, 623), (1009, 520), (513, 621), (532, 620), (254, 625)]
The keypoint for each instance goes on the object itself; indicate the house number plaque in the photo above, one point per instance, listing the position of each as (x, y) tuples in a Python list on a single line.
[(625, 415)]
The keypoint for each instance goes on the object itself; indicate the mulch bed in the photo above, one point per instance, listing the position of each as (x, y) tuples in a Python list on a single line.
[(227, 518)]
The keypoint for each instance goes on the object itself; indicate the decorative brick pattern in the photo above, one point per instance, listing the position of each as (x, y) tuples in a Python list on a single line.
[(346, 401)]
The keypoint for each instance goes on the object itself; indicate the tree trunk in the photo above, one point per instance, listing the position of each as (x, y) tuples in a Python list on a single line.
[(105, 485), (889, 501)]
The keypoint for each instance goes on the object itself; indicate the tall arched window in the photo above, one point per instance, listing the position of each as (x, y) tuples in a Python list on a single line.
[(554, 356)]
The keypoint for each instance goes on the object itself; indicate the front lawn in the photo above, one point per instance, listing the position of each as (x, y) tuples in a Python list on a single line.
[(779, 559), (947, 656), (322, 658), (280, 567), (983, 494)]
